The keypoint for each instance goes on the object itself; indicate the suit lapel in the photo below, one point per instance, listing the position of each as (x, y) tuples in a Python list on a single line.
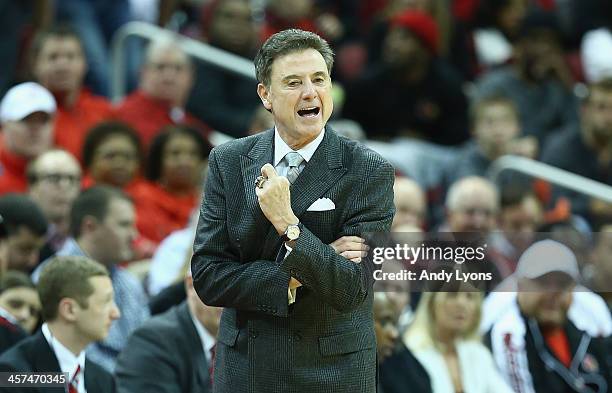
[(320, 173), (200, 364), (261, 153), (43, 358)]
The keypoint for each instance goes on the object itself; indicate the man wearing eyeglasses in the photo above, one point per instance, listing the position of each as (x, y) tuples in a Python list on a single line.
[(54, 181), (27, 112), (166, 79)]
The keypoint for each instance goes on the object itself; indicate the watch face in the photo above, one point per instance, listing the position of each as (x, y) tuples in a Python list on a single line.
[(293, 232)]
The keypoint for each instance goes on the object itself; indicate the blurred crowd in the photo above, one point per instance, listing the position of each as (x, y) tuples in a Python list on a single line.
[(440, 88)]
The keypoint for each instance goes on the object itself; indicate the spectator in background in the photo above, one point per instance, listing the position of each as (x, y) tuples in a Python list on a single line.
[(410, 203), (166, 79), (26, 226), (112, 155), (17, 305), (59, 64), (102, 225), (26, 115), (172, 352), (95, 21), (223, 100), (539, 82), (496, 130), (10, 331), (399, 370), (472, 205), (587, 151), (472, 211), (411, 92), (498, 24), (520, 216), (18, 298), (78, 309), (444, 339), (299, 14), (177, 161), (535, 345), (54, 181), (18, 20)]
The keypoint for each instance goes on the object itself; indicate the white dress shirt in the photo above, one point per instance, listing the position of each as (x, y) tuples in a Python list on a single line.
[(282, 168), (67, 360), (208, 341)]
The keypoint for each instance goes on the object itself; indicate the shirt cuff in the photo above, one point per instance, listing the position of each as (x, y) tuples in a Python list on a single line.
[(292, 294)]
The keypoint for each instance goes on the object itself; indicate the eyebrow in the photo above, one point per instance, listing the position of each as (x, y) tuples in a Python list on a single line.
[(294, 76)]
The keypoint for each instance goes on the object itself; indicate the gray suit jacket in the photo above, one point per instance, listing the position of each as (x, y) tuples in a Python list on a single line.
[(325, 341), (164, 355)]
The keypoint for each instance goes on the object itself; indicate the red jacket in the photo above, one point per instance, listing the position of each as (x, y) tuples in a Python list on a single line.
[(12, 171), (148, 115), (72, 124)]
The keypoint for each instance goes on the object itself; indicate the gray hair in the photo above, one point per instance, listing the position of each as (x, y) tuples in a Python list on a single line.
[(458, 190), (162, 44), (287, 41)]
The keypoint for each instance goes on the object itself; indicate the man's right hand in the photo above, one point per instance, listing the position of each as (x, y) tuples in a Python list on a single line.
[(352, 248)]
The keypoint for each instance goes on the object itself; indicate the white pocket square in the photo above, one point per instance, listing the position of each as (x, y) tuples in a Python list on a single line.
[(322, 204)]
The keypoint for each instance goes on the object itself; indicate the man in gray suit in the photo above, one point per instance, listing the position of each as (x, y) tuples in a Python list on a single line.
[(298, 313)]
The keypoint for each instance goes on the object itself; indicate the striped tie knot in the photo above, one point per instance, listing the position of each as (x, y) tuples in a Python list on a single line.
[(294, 159)]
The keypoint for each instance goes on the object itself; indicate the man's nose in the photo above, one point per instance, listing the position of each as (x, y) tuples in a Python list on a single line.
[(23, 313), (309, 92)]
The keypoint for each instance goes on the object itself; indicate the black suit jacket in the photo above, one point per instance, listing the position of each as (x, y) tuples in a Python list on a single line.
[(10, 334), (164, 355), (325, 341), (401, 372), (35, 355)]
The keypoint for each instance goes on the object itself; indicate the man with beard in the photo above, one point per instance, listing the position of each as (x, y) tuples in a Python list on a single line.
[(587, 151)]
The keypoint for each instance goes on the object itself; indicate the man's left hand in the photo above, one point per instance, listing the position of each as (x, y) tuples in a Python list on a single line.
[(275, 199)]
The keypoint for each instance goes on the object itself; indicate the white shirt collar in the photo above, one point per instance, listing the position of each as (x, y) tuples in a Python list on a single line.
[(8, 316), (66, 359), (208, 341), (281, 148)]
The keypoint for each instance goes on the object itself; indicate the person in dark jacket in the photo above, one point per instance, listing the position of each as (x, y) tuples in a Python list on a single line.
[(78, 308)]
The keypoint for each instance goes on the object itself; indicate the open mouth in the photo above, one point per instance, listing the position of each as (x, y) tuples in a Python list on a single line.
[(309, 112)]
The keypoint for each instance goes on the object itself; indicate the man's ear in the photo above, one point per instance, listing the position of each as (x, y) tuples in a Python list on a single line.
[(264, 95), (89, 224), (67, 309)]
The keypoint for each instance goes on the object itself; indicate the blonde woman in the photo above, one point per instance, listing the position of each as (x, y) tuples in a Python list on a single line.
[(444, 338)]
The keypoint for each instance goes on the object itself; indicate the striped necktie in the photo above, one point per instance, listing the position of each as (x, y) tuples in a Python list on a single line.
[(294, 159), (74, 383)]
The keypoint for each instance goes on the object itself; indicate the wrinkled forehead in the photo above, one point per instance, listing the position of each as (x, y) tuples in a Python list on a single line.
[(300, 62)]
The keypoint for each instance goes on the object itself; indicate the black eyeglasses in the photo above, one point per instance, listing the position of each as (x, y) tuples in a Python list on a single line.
[(58, 178)]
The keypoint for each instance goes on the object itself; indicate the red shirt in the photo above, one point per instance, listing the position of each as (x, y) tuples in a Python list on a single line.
[(72, 124), (12, 171), (148, 115), (559, 345), (161, 213)]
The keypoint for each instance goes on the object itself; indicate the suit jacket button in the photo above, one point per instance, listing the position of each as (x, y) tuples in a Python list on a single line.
[(253, 334), (298, 336)]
